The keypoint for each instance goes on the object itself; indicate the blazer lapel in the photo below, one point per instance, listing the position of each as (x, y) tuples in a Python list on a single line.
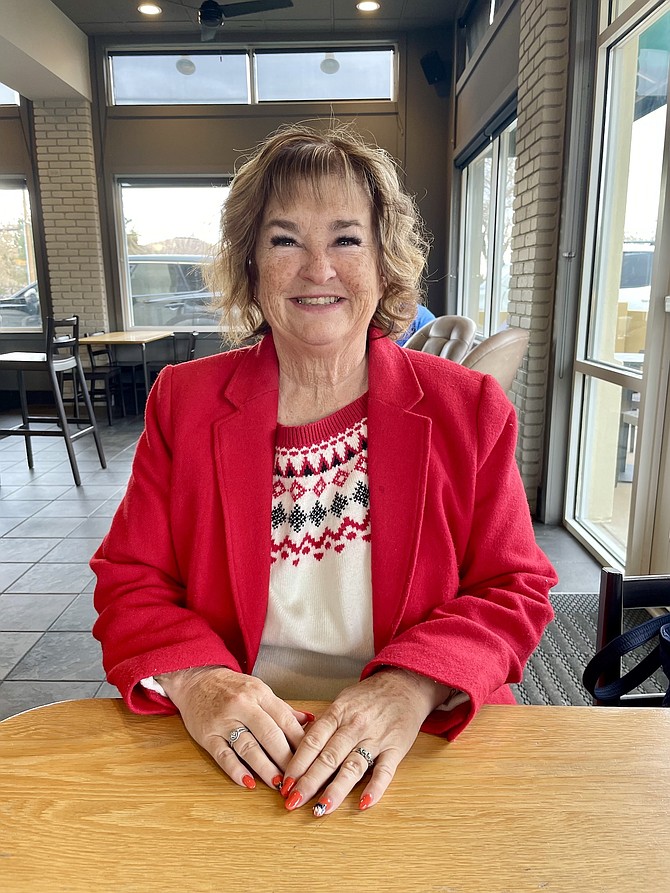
[(244, 443), (398, 450)]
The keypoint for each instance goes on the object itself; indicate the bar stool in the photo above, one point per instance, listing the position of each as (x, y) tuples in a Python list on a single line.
[(61, 355)]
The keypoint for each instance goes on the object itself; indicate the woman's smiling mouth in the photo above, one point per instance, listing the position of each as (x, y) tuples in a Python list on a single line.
[(316, 301)]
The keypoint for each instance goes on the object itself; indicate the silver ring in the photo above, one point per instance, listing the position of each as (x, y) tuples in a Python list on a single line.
[(367, 756), (235, 734)]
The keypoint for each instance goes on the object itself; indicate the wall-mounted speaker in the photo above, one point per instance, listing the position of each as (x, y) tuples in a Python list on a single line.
[(433, 67)]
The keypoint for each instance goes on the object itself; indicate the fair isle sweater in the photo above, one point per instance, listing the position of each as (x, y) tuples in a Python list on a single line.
[(317, 635)]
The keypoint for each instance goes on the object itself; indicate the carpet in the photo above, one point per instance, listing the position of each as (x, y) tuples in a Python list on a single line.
[(553, 675)]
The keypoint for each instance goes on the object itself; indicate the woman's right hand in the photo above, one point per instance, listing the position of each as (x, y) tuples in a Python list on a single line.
[(213, 701)]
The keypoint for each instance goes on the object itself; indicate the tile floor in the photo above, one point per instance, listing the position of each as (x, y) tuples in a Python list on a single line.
[(48, 531)]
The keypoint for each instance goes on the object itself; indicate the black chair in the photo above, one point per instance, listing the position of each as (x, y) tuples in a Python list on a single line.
[(183, 349), (619, 594), (105, 380), (61, 357)]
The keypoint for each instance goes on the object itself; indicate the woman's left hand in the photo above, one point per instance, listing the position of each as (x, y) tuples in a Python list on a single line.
[(381, 715)]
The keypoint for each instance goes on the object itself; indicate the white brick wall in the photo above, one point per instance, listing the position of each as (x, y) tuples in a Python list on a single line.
[(69, 193), (542, 97)]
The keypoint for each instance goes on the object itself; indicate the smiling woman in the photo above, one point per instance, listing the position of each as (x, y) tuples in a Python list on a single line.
[(330, 518)]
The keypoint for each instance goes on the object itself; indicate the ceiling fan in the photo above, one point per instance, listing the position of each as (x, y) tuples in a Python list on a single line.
[(212, 14)]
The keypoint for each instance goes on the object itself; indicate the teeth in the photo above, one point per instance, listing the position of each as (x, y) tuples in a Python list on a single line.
[(328, 300)]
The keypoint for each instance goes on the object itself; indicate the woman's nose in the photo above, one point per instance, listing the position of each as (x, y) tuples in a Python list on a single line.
[(317, 267)]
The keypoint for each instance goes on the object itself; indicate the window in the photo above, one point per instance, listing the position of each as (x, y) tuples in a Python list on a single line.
[(19, 294), (8, 96), (318, 75), (487, 234), (170, 230), (248, 76)]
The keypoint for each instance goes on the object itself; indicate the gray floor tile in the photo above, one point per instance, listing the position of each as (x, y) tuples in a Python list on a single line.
[(107, 509), (78, 617), (14, 646), (92, 491), (72, 549), (43, 527), (28, 550), (7, 524), (72, 508), (65, 656), (16, 476), (39, 491), (20, 508), (16, 697), (10, 573), (56, 578), (92, 528), (31, 613), (107, 691)]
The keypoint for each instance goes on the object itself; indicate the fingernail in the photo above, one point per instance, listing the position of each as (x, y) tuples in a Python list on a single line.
[(365, 801), (248, 782), (294, 800), (322, 807), (277, 782), (310, 716), (287, 784)]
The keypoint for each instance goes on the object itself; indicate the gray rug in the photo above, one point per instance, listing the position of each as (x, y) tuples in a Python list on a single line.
[(553, 674)]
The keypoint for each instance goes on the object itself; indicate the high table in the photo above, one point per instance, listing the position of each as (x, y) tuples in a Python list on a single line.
[(130, 339), (550, 799)]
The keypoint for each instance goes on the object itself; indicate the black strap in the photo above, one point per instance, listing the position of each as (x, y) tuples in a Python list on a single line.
[(608, 658)]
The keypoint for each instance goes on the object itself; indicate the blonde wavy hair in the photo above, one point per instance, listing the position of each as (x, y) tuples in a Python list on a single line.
[(296, 155)]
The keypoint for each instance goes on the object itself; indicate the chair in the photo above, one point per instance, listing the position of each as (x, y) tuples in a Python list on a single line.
[(619, 594), (500, 355), (61, 356), (447, 336), (105, 381), (183, 349)]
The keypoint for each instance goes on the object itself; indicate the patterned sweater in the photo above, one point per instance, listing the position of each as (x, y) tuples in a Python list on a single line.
[(318, 629)]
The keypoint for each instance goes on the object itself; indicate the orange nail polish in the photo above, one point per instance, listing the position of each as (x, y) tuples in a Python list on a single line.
[(286, 787), (322, 807), (277, 782), (365, 801), (294, 800), (248, 782)]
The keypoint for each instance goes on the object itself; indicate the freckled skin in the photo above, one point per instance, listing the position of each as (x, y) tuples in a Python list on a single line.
[(318, 247)]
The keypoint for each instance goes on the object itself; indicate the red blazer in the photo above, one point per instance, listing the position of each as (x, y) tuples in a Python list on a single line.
[(460, 588)]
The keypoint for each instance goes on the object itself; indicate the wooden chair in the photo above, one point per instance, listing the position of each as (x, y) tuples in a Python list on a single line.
[(61, 356), (104, 380), (617, 595), (447, 336)]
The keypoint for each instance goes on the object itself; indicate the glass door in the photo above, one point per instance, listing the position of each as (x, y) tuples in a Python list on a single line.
[(622, 295)]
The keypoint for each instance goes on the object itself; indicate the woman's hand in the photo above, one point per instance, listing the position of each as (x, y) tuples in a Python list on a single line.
[(381, 715), (215, 701)]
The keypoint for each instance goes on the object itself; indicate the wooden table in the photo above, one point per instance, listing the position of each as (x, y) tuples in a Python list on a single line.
[(550, 799), (130, 339)]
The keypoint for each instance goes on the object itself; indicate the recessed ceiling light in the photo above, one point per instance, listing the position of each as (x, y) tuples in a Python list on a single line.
[(149, 9), (368, 6)]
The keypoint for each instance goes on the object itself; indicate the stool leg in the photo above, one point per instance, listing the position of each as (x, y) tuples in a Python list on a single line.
[(62, 421), (24, 416), (91, 413)]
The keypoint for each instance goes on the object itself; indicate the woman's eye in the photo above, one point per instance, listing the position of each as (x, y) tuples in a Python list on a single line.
[(348, 240), (282, 241)]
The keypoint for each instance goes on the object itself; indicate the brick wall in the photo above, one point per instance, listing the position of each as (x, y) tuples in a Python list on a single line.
[(69, 193), (543, 67)]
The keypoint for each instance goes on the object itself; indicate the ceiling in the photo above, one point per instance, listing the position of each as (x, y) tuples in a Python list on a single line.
[(96, 17)]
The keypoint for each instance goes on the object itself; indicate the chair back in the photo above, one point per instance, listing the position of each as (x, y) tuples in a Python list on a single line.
[(500, 355), (617, 595), (206, 344), (62, 343), (447, 336), (99, 355)]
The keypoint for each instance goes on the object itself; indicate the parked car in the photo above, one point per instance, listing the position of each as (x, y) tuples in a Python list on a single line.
[(169, 290), (635, 284), (22, 309)]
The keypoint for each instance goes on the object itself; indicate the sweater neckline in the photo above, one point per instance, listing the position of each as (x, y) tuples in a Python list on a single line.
[(317, 432)]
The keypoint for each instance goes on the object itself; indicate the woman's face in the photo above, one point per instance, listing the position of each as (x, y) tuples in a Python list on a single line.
[(317, 270)]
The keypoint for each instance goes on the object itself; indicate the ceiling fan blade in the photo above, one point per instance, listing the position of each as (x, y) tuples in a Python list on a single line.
[(230, 10)]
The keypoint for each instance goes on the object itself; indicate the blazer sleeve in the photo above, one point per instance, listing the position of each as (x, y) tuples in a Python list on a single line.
[(480, 640), (144, 624)]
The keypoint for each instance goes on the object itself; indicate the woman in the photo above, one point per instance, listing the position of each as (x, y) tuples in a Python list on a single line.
[(324, 514)]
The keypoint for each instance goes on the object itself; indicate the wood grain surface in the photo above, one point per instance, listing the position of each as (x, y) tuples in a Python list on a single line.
[(569, 799)]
